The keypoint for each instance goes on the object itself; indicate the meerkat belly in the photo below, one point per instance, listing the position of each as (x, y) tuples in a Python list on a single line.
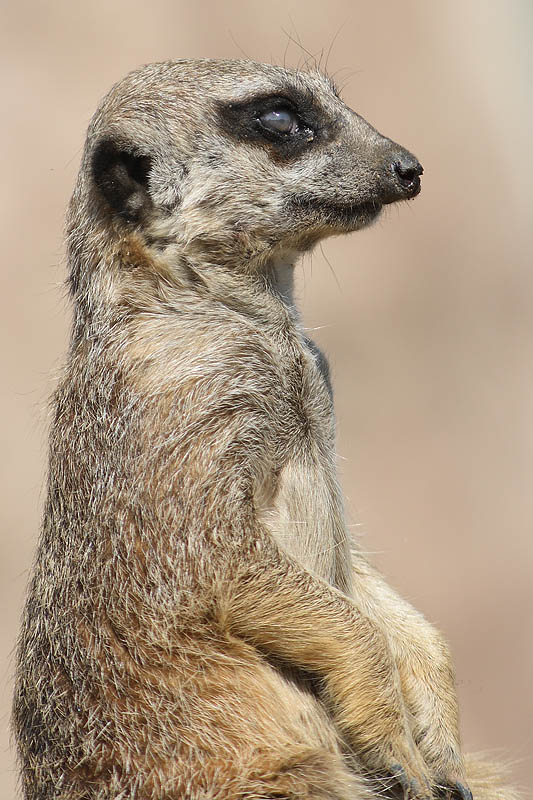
[(306, 519)]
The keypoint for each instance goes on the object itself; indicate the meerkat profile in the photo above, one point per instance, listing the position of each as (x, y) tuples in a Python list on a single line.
[(199, 625)]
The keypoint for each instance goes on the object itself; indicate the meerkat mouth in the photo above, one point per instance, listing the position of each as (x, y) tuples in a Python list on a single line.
[(339, 214)]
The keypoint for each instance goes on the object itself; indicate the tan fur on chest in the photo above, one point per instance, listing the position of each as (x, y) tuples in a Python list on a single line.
[(305, 518)]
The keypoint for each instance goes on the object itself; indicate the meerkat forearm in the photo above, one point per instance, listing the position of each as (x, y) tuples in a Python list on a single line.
[(309, 625), (424, 665)]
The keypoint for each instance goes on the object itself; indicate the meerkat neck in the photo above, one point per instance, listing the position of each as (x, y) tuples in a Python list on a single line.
[(280, 274)]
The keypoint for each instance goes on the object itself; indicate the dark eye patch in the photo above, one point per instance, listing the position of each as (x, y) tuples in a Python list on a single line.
[(287, 124)]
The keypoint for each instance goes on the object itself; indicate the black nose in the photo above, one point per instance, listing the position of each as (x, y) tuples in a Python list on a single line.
[(407, 171)]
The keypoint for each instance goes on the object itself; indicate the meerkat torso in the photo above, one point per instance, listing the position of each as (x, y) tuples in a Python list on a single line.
[(296, 493)]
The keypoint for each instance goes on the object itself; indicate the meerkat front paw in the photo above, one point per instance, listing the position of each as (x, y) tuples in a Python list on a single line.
[(455, 790), (405, 770), (428, 689), (383, 742), (451, 780)]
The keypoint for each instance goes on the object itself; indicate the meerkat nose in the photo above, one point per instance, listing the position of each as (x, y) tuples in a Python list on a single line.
[(407, 171)]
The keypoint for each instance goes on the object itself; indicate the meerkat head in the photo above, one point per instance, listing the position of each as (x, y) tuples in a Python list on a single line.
[(234, 161)]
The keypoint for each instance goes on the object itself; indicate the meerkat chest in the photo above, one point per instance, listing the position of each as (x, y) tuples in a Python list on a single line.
[(304, 512)]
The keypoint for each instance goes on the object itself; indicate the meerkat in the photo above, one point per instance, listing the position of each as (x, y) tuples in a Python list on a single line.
[(199, 624)]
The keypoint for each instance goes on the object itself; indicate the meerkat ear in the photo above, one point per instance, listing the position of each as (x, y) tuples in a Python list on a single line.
[(121, 176)]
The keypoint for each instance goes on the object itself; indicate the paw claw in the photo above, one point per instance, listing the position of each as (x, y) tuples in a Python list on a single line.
[(455, 790), (410, 787), (398, 774), (461, 792)]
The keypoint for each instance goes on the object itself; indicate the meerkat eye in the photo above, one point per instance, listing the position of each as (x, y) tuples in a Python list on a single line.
[(280, 120), (287, 126)]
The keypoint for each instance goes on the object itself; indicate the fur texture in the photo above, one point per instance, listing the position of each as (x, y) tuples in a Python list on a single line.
[(199, 625)]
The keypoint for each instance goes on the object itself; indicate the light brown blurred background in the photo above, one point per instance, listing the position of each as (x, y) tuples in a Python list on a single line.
[(427, 317)]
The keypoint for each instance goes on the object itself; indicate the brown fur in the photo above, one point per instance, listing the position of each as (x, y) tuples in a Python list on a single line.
[(199, 625)]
